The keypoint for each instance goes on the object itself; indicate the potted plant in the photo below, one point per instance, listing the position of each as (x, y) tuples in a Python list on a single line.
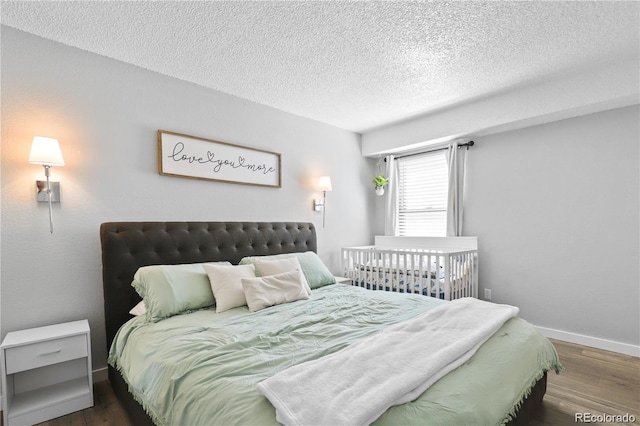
[(380, 182)]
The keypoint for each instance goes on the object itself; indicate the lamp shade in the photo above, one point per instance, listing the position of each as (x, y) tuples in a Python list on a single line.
[(324, 184), (46, 151)]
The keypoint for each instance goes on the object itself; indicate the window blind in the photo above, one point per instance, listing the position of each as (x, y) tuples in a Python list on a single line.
[(423, 182)]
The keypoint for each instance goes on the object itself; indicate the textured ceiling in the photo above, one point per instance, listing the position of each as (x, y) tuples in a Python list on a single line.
[(355, 65)]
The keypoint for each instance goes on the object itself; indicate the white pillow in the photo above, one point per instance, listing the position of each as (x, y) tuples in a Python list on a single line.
[(139, 309), (314, 270), (262, 292), (226, 285), (266, 267)]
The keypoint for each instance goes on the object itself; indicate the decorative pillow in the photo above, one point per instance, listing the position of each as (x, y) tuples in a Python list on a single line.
[(265, 267), (169, 290), (226, 285), (262, 292), (316, 273), (139, 309)]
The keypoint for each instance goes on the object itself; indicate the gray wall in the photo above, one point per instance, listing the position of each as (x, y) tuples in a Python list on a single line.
[(105, 114), (555, 208)]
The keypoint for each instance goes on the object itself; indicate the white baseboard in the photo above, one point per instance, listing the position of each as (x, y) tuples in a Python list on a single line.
[(100, 375), (594, 342)]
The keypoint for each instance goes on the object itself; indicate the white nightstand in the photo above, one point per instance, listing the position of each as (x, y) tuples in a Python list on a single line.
[(46, 372), (343, 280)]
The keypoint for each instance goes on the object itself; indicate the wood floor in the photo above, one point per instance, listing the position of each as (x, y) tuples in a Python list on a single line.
[(593, 381)]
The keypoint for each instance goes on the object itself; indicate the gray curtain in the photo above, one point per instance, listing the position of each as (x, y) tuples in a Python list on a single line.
[(457, 159), (391, 201)]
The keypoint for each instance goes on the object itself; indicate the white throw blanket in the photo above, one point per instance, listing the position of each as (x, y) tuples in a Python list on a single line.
[(356, 385)]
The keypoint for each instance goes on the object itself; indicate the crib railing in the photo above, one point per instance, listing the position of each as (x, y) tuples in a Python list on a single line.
[(444, 274)]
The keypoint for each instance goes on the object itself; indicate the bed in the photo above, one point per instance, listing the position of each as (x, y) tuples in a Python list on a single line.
[(250, 347), (441, 267)]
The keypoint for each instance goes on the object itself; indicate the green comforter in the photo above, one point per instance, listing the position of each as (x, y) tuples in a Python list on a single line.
[(202, 368)]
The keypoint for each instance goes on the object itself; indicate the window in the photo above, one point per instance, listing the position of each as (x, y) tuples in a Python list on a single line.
[(423, 182)]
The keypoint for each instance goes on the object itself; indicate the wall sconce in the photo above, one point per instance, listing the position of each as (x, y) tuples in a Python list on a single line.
[(46, 151), (319, 204)]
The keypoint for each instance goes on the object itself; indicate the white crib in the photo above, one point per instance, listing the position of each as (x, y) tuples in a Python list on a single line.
[(441, 267)]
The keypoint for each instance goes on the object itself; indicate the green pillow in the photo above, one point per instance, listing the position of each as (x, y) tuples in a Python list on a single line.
[(316, 273), (169, 290)]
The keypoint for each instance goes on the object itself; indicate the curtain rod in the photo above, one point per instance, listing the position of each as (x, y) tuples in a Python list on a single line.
[(468, 144)]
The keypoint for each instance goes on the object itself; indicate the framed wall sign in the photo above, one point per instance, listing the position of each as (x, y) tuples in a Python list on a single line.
[(198, 158)]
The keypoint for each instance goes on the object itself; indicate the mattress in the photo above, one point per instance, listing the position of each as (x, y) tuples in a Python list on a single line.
[(203, 367), (403, 281)]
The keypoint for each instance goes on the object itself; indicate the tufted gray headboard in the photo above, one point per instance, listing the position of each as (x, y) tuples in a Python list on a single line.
[(126, 246)]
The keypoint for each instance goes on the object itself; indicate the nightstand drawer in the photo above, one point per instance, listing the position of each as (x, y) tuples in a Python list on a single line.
[(49, 352)]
